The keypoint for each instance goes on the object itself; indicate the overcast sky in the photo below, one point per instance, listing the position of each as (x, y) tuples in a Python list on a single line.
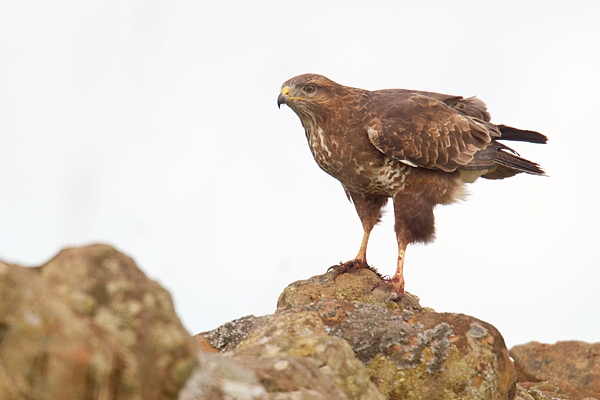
[(153, 126)]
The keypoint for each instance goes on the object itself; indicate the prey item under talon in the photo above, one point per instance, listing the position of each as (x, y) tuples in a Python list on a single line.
[(418, 148)]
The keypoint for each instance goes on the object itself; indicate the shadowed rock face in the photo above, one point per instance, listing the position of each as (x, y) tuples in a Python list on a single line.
[(89, 325)]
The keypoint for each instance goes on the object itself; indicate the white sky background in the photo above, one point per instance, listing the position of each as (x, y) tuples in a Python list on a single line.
[(153, 126)]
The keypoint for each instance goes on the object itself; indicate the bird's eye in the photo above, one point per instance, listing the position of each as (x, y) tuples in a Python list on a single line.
[(310, 88)]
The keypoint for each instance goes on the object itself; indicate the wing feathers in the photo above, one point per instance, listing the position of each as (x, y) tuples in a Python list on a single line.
[(447, 133), (428, 133)]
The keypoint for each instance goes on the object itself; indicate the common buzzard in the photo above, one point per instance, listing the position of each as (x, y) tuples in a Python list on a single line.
[(419, 148)]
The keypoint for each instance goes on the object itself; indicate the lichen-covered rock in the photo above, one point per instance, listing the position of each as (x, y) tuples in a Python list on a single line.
[(293, 353), (292, 356), (574, 363), (359, 286), (251, 377), (228, 335), (407, 354), (423, 355), (86, 325), (551, 391), (43, 343), (217, 377), (411, 352)]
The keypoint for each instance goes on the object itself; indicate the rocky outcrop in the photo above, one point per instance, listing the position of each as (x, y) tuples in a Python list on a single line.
[(551, 391), (368, 349), (340, 339), (359, 287), (565, 370), (217, 377), (89, 325)]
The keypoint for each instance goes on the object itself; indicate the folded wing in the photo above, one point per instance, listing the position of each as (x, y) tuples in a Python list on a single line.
[(447, 133)]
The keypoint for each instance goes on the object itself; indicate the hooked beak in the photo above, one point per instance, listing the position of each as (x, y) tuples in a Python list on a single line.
[(281, 99), (283, 96)]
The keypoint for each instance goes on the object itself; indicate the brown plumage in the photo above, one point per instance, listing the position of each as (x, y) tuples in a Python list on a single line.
[(418, 148)]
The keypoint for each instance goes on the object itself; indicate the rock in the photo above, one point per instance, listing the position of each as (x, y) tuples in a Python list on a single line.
[(217, 377), (551, 391), (572, 363), (228, 335), (292, 357), (408, 352), (358, 286), (89, 324), (293, 352), (423, 355)]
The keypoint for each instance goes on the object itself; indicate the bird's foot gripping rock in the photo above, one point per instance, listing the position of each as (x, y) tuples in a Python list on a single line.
[(352, 266), (393, 287)]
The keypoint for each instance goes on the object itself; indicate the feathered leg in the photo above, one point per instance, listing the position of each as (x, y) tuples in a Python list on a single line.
[(414, 222)]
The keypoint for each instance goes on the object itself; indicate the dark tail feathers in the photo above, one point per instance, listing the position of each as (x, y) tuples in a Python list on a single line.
[(510, 133), (513, 161), (508, 162)]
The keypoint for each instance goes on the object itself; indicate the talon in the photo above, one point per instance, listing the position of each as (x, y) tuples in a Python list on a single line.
[(348, 266), (352, 266), (335, 266)]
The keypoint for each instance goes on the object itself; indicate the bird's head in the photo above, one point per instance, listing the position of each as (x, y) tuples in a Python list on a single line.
[(308, 94)]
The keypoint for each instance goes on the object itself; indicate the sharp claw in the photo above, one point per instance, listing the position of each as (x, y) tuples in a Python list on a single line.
[(342, 268), (353, 266)]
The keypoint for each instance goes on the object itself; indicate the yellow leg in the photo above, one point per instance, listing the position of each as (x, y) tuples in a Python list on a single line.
[(398, 278), (362, 252), (368, 208), (360, 261)]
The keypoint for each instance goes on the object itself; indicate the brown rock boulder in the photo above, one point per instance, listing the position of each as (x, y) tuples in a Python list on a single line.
[(574, 364), (551, 391), (294, 353), (423, 355), (359, 286), (89, 325), (290, 355), (407, 352), (217, 377)]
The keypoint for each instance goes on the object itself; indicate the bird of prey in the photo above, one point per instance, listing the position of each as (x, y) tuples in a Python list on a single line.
[(417, 148)]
